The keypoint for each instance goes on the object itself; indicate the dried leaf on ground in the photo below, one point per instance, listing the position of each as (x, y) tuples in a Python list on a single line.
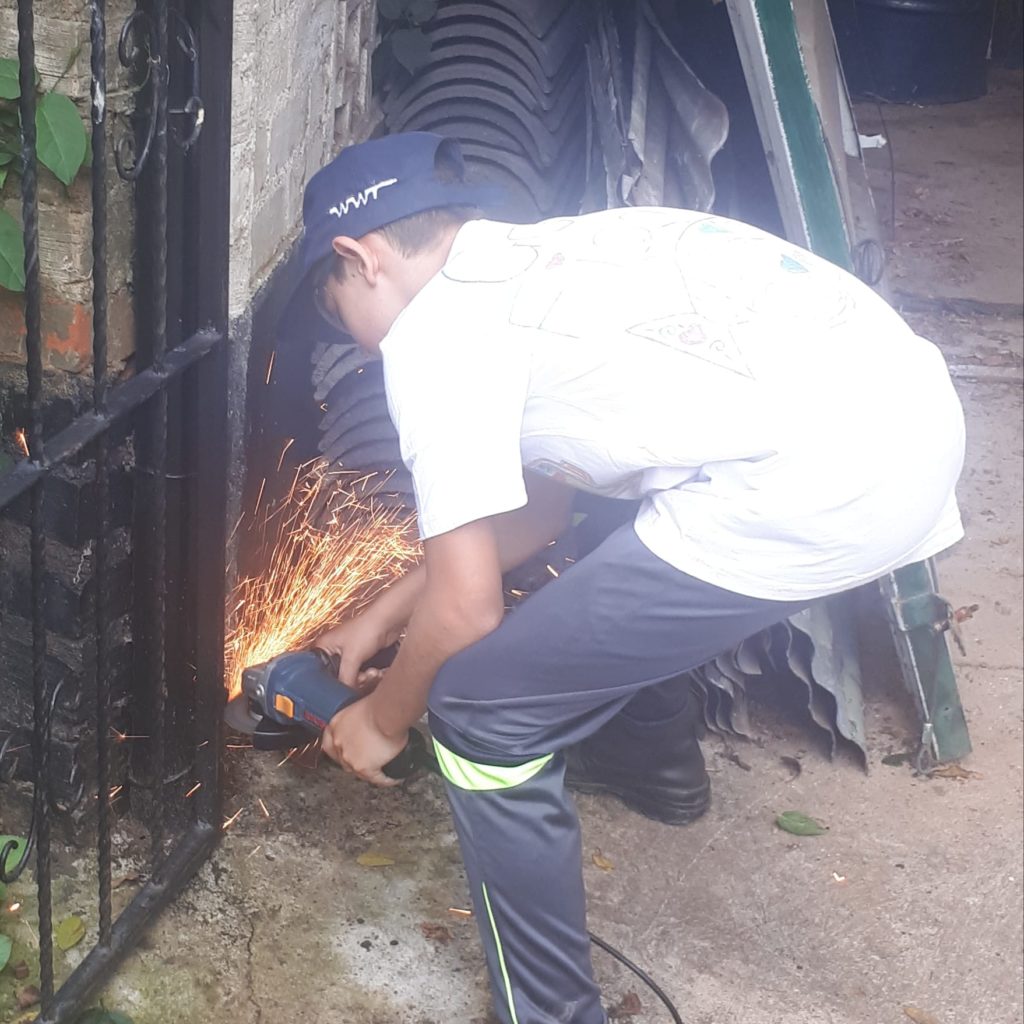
[(70, 932), (27, 997), (797, 823), (793, 764), (628, 1006), (374, 860), (895, 760), (129, 879), (920, 1016), (602, 862), (954, 771), (436, 932), (6, 945), (21, 970)]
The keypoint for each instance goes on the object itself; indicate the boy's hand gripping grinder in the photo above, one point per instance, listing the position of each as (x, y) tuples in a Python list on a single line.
[(291, 698)]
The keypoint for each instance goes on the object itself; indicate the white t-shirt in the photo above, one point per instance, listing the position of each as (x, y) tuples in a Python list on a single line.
[(790, 436)]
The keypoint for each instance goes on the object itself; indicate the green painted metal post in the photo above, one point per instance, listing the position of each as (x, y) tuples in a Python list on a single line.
[(770, 47)]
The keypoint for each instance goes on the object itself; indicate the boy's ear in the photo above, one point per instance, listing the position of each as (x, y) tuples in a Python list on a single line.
[(359, 258)]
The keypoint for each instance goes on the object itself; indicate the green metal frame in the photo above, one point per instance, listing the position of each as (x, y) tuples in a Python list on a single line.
[(809, 196)]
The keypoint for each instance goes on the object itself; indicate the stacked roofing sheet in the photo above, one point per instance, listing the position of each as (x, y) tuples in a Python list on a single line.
[(508, 80)]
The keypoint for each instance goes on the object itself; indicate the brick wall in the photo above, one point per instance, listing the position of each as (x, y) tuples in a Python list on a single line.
[(300, 88), (62, 49)]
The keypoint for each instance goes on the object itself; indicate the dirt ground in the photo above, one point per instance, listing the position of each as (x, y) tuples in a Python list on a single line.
[(912, 900)]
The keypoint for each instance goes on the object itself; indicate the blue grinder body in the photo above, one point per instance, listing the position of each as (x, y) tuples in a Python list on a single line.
[(299, 688), (291, 699)]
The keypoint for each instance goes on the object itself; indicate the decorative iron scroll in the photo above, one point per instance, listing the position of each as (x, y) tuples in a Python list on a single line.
[(138, 51)]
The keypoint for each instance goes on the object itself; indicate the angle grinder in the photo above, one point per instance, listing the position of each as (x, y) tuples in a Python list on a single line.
[(289, 700)]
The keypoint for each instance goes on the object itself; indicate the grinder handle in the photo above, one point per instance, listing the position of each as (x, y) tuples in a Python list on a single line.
[(413, 755), (310, 684)]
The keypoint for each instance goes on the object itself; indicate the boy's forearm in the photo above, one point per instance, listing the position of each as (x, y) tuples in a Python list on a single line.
[(434, 635), (524, 531), (393, 609), (520, 534)]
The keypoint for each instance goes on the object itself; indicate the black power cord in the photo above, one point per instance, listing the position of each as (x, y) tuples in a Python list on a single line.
[(640, 973)]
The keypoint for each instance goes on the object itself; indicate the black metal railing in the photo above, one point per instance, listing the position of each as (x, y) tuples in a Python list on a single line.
[(171, 416)]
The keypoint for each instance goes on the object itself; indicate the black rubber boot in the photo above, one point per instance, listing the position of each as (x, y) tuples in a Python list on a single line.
[(654, 767)]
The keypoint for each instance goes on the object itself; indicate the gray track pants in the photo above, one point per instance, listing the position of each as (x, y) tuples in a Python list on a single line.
[(501, 712)]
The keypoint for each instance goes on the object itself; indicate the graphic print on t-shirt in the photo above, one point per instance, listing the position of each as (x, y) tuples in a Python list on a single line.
[(556, 348), (577, 297), (695, 335)]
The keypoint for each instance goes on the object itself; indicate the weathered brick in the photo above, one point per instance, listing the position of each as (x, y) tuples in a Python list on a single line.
[(288, 130), (60, 42), (268, 230), (69, 504)]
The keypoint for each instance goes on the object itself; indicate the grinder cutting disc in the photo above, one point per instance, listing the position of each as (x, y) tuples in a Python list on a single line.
[(239, 715)]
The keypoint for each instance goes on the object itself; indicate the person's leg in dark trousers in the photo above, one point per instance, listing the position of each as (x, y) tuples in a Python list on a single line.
[(501, 712)]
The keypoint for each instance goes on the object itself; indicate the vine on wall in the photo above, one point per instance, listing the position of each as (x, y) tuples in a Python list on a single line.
[(61, 147)]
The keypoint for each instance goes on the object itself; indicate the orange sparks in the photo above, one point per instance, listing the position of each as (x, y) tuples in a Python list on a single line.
[(332, 552), (230, 821), (122, 736), (21, 441), (270, 366), (115, 791), (259, 497), (195, 789), (14, 908), (263, 808), (551, 569), (284, 452)]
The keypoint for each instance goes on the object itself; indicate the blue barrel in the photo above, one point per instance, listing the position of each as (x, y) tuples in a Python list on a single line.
[(915, 51)]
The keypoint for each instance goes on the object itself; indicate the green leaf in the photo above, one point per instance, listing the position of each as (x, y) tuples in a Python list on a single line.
[(12, 277), (6, 946), (798, 824), (70, 932), (19, 844), (411, 48), (421, 11), (3, 176), (392, 10), (10, 89), (101, 1015), (61, 139)]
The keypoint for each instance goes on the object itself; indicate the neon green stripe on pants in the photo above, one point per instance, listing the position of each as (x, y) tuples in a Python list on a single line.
[(501, 956), (466, 774)]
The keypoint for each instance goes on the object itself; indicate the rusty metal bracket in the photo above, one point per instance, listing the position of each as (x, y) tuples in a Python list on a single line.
[(919, 619)]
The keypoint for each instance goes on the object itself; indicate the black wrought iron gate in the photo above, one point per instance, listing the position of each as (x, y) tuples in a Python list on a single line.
[(171, 416)]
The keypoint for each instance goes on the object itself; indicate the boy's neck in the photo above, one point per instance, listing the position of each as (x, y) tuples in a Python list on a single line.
[(419, 270)]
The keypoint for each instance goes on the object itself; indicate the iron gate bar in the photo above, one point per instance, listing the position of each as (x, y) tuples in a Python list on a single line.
[(154, 449), (198, 365), (34, 371), (175, 871), (98, 95), (122, 399)]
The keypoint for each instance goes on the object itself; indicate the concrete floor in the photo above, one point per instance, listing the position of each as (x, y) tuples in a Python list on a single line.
[(912, 899)]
